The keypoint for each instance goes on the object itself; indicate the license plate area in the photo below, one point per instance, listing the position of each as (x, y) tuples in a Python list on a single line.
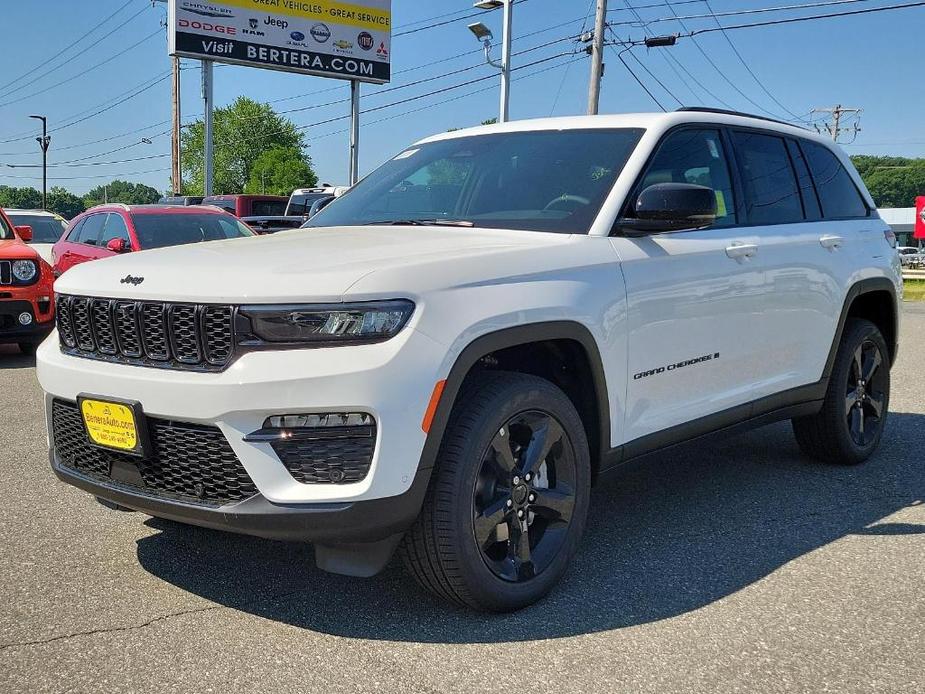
[(114, 424)]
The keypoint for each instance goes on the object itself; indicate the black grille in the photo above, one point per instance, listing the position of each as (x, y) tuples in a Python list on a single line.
[(338, 456), (179, 336), (188, 462)]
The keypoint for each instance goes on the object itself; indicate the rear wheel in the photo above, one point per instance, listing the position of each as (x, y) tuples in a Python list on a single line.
[(848, 428), (509, 498)]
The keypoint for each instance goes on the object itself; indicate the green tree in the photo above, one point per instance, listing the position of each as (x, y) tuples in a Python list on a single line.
[(64, 202), (122, 191), (20, 198), (242, 132), (279, 171), (897, 187)]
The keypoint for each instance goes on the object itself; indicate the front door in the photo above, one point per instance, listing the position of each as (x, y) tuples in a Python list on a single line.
[(693, 301)]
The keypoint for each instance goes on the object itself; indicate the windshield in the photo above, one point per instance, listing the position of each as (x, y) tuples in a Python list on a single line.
[(44, 229), (553, 180), (6, 231), (302, 203), (161, 230)]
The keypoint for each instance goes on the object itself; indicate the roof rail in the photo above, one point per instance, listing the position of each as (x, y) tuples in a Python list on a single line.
[(728, 112)]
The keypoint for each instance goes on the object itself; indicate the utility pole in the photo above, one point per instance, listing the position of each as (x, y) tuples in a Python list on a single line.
[(176, 172), (209, 152), (44, 141), (834, 127), (597, 58)]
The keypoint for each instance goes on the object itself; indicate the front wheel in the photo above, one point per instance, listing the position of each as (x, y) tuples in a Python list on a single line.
[(509, 499), (848, 428)]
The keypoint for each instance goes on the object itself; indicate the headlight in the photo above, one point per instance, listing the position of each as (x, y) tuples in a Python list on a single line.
[(328, 323), (24, 270)]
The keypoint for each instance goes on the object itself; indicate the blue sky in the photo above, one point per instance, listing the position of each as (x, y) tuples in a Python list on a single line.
[(871, 61)]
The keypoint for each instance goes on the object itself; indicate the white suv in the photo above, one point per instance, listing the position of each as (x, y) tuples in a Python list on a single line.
[(466, 341)]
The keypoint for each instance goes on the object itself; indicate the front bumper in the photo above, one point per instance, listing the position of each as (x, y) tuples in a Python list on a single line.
[(324, 523), (392, 381), (11, 331)]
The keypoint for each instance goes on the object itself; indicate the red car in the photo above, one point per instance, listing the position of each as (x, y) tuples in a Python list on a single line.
[(108, 230), (26, 306), (249, 205)]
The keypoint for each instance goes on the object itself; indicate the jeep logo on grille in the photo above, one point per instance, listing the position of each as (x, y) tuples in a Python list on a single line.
[(135, 281)]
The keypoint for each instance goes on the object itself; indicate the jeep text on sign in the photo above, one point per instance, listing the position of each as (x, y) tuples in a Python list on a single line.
[(328, 38)]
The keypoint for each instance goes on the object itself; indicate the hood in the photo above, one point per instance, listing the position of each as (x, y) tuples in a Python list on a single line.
[(303, 264), (16, 249)]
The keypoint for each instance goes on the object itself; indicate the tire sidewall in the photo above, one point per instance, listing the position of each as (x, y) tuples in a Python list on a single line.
[(481, 582)]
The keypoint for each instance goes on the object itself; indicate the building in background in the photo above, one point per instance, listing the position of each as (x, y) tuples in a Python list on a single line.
[(902, 222)]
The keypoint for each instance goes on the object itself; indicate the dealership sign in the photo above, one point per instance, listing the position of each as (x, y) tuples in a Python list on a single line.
[(919, 232), (348, 40)]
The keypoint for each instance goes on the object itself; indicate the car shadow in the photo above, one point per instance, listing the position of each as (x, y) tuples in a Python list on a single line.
[(666, 538), (12, 358)]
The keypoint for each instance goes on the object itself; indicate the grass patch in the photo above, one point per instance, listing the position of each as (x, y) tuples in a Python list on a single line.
[(914, 290)]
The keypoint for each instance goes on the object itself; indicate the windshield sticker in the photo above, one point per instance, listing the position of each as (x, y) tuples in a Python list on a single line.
[(721, 204)]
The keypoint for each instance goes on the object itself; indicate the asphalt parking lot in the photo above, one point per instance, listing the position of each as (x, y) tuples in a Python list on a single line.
[(733, 566)]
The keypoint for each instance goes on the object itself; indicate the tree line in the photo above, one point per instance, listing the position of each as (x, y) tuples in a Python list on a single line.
[(69, 205)]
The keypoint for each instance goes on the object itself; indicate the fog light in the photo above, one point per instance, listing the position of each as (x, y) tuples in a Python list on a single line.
[(314, 421), (25, 318)]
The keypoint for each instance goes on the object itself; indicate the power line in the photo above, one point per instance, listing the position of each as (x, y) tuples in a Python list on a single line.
[(66, 62), (64, 50), (619, 55), (81, 178), (90, 163), (84, 72), (738, 13)]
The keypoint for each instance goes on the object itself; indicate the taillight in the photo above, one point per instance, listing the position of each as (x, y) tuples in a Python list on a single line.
[(890, 237)]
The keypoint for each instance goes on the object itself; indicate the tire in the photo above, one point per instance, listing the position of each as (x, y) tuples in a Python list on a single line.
[(455, 549), (848, 428), (27, 348)]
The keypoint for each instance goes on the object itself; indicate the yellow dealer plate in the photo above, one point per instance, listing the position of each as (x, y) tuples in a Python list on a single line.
[(111, 424)]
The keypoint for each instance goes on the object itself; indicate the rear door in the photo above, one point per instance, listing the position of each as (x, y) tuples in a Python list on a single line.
[(803, 257), (693, 298)]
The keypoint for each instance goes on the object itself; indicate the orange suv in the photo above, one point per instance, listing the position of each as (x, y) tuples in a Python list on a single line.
[(26, 298)]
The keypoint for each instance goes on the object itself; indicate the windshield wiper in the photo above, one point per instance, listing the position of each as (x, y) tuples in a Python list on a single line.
[(422, 222)]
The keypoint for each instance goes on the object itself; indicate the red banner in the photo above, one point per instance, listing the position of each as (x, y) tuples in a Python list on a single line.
[(919, 218)]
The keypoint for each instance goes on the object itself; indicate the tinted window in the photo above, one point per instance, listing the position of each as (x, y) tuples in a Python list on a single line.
[(115, 229), (837, 193), (695, 156), (770, 185), (553, 180), (160, 230), (44, 229), (268, 208), (91, 229), (227, 205), (300, 204)]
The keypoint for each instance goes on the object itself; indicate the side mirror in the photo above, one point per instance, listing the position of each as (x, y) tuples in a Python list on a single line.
[(319, 205), (117, 245), (24, 232), (666, 207)]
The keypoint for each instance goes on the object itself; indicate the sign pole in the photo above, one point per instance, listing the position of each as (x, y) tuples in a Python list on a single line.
[(209, 153), (354, 131), (176, 171)]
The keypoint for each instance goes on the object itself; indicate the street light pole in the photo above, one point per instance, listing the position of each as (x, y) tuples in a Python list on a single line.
[(482, 33), (44, 141)]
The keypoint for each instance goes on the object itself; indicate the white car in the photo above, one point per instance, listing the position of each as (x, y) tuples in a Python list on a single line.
[(47, 228), (911, 256), (475, 334)]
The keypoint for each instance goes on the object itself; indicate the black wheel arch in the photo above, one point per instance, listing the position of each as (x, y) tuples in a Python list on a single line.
[(875, 300), (521, 336)]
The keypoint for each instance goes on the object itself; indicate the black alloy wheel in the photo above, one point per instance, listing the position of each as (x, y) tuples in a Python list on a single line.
[(524, 496), (865, 399)]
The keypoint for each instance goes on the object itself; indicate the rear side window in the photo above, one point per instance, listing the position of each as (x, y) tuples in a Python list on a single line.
[(768, 179), (227, 205), (90, 230), (695, 156), (839, 196)]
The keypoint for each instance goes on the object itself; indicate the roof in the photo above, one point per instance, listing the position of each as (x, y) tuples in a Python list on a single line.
[(158, 209), (10, 210), (647, 121)]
